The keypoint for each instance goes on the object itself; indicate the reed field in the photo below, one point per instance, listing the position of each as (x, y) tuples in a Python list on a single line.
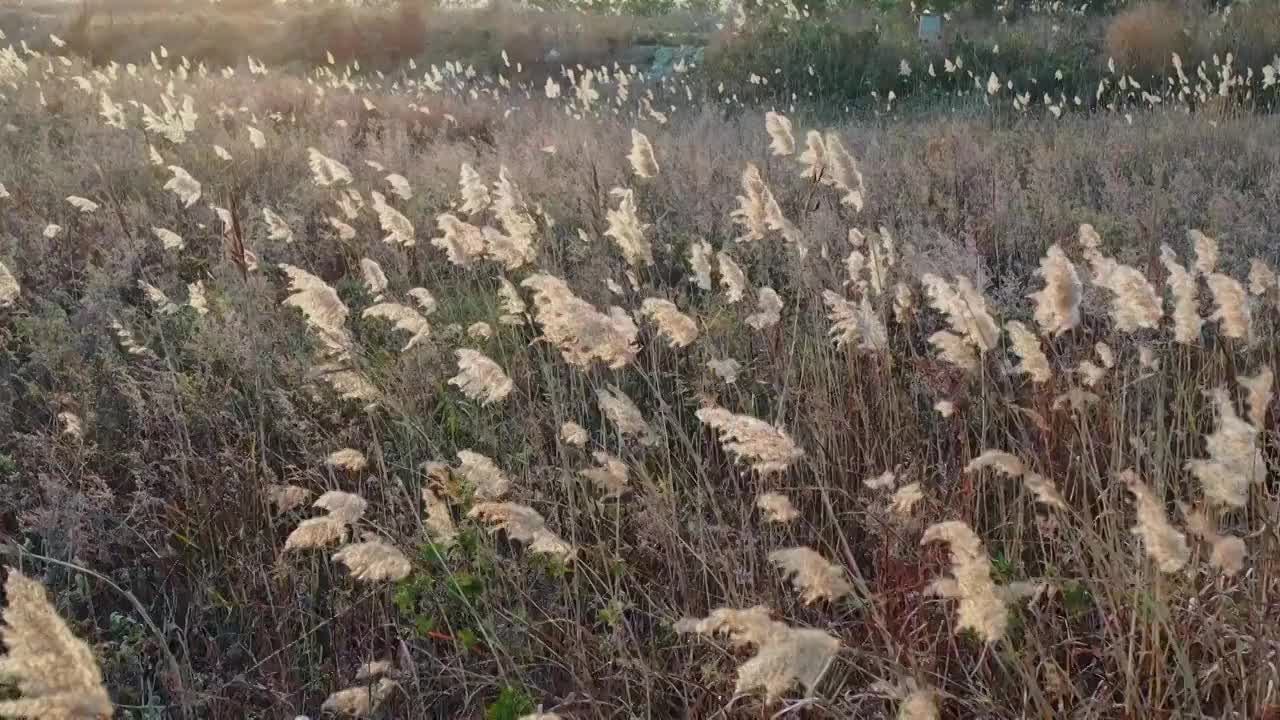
[(520, 385)]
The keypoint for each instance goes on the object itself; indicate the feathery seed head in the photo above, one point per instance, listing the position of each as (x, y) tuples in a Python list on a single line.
[(1162, 542), (345, 506), (479, 331), (400, 186), (1259, 395), (732, 278), (71, 424), (768, 309), (158, 299), (405, 318), (439, 521), (461, 241), (9, 288), (360, 701), (1231, 307), (1206, 251), (373, 561), (981, 607), (726, 369), (905, 498), (397, 227), (782, 143), (526, 525), (480, 378), (1262, 279), (169, 239), (700, 262), (1027, 346), (884, 481), (510, 302), (610, 477), (850, 323), (811, 574), (316, 532), (1091, 374), (324, 311), (475, 194), (785, 656), (183, 185), (627, 230), (759, 212), (375, 280), (482, 474), (347, 459), (954, 349), (814, 158), (287, 497), (1227, 553), (571, 433), (1058, 302), (679, 329), (1004, 462), (577, 329), (766, 448), (1186, 300), (1105, 354), (777, 507), (1235, 458), (56, 674), (624, 414), (325, 171), (1135, 304), (642, 160), (425, 300), (843, 173), (965, 309)]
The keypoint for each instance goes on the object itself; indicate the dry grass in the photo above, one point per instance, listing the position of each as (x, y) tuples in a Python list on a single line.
[(529, 496), (304, 35)]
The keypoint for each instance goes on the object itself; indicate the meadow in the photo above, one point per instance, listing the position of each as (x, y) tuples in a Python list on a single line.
[(552, 390)]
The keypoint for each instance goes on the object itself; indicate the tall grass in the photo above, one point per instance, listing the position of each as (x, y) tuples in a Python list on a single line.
[(534, 483)]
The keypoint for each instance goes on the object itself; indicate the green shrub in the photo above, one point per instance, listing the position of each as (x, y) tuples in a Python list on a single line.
[(818, 59), (843, 61)]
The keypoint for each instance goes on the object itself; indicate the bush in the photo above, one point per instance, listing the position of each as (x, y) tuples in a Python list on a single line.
[(819, 59), (1143, 39), (843, 59)]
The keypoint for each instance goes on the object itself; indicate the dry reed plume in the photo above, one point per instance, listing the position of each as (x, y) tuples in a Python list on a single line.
[(55, 672)]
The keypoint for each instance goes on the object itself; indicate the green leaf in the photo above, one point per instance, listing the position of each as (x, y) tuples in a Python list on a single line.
[(424, 625), (1076, 598), (611, 614), (511, 704), (468, 639), (464, 585), (432, 554)]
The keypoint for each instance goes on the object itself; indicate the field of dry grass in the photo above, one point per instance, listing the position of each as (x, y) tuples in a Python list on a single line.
[(383, 37), (445, 394)]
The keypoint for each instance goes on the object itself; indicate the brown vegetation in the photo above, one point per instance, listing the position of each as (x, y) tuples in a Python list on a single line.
[(380, 37), (417, 447), (1143, 39)]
